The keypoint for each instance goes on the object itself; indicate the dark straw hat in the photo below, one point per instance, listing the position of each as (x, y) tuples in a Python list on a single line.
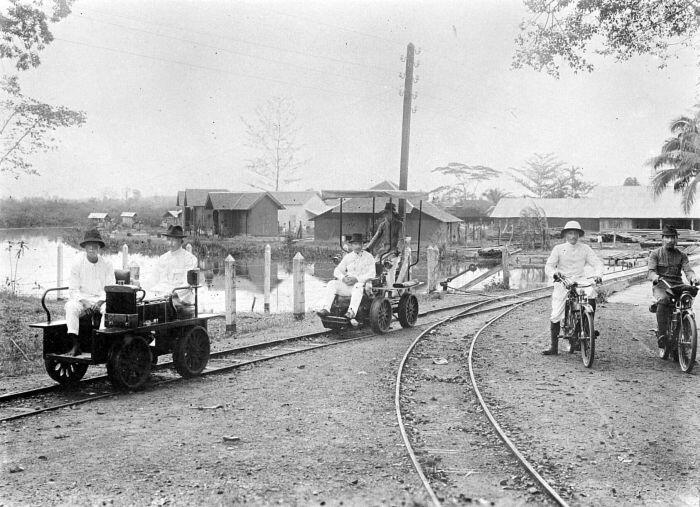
[(174, 231), (92, 236), (355, 238), (669, 230)]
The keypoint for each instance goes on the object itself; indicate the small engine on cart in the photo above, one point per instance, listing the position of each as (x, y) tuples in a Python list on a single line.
[(125, 309)]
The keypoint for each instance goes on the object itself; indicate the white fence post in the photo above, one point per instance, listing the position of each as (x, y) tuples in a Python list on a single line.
[(433, 256), (268, 261), (125, 256), (59, 267), (230, 293), (505, 257), (298, 279)]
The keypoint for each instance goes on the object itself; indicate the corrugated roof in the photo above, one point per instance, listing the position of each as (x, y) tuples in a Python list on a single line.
[(128, 214), (602, 202), (198, 196), (294, 198), (237, 200), (100, 216), (364, 205), (172, 213)]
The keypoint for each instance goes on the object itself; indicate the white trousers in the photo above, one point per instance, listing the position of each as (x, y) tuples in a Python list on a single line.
[(559, 300), (338, 287), (76, 309)]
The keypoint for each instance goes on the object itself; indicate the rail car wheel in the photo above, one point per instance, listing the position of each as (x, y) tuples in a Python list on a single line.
[(408, 310), (191, 352), (587, 339), (129, 363), (64, 373), (380, 315), (687, 343)]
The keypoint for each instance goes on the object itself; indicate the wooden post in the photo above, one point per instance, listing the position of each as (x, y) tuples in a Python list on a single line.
[(433, 255), (298, 279), (266, 288), (125, 256), (504, 261), (230, 293), (59, 267)]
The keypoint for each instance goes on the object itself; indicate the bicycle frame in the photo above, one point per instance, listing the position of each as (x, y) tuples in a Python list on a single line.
[(682, 298), (578, 319)]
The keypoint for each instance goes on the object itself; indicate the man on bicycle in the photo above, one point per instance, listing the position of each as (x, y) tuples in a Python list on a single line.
[(569, 259), (665, 265)]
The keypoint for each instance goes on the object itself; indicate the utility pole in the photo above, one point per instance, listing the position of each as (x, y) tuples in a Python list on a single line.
[(406, 127)]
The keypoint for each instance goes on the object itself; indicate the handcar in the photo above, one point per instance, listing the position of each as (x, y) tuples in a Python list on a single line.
[(136, 332), (380, 302)]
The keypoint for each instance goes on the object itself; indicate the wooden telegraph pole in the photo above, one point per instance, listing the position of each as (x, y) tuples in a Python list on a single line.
[(406, 127)]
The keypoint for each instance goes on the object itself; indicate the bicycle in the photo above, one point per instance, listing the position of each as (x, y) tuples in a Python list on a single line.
[(579, 326), (682, 334)]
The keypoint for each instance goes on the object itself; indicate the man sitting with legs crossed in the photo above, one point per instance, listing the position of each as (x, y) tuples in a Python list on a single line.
[(350, 276)]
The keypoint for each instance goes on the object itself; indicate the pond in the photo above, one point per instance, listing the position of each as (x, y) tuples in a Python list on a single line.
[(37, 269)]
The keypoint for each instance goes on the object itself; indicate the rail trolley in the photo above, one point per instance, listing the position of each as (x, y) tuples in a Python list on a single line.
[(379, 302), (136, 332)]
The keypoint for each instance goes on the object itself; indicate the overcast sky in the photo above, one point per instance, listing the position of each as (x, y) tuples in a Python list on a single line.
[(164, 85)]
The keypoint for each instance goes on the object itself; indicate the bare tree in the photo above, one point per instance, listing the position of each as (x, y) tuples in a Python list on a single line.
[(273, 135)]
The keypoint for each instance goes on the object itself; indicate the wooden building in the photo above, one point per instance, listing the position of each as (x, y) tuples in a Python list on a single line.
[(361, 215), (243, 213), (299, 208), (197, 219), (100, 220), (172, 217), (128, 218), (605, 209)]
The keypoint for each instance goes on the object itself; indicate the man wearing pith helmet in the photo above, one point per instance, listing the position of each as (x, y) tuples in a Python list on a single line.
[(570, 259), (667, 264)]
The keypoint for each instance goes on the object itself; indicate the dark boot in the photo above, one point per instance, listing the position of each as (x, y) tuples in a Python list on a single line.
[(75, 351), (553, 350), (662, 318)]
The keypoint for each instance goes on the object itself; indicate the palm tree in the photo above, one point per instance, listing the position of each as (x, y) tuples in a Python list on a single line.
[(679, 161), (494, 195)]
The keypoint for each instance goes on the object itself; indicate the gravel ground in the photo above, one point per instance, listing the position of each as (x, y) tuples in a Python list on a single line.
[(320, 428)]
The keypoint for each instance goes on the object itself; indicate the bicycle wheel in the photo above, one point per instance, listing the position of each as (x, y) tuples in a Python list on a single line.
[(687, 343), (587, 338)]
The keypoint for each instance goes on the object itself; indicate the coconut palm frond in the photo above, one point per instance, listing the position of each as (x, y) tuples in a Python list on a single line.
[(689, 194)]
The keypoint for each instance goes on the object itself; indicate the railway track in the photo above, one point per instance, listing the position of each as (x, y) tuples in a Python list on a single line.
[(39, 400), (428, 461)]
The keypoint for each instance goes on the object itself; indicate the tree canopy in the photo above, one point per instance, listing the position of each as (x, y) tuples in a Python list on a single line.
[(468, 179), (678, 164), (546, 176), (566, 31)]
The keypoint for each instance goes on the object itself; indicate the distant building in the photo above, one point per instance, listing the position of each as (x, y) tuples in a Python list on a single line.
[(128, 218), (363, 215), (172, 217), (243, 213), (605, 209), (197, 219), (299, 208), (100, 220)]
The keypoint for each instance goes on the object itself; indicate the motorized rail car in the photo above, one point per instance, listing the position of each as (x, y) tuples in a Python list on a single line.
[(379, 302), (136, 332)]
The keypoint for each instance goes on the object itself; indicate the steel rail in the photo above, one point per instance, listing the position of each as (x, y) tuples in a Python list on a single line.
[(501, 433), (100, 378), (397, 392), (211, 371)]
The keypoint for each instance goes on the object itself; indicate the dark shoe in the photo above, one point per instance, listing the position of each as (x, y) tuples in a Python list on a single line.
[(550, 352), (350, 314), (323, 313), (653, 307), (661, 341)]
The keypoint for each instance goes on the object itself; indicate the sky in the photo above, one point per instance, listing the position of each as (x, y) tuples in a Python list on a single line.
[(165, 86)]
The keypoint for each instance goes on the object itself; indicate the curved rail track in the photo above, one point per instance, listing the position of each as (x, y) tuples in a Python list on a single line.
[(47, 398), (544, 485)]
